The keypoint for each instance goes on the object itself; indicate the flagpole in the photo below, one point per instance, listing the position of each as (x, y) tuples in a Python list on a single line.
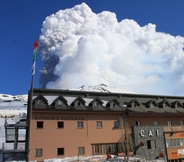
[(30, 99)]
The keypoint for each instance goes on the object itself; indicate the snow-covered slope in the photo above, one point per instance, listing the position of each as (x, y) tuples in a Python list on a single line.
[(8, 98), (13, 102)]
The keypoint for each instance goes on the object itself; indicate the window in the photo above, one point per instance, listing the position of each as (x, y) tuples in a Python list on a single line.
[(80, 125), (181, 141), (39, 124), (112, 148), (40, 102), (59, 102), (116, 124), (151, 144), (97, 149), (167, 143), (155, 122), (174, 142), (181, 123), (104, 148), (60, 124), (169, 123), (165, 105), (81, 150), (138, 123), (60, 151), (95, 103), (39, 152), (99, 124), (152, 105), (178, 105)]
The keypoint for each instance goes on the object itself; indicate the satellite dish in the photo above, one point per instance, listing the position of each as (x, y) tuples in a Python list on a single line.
[(16, 118)]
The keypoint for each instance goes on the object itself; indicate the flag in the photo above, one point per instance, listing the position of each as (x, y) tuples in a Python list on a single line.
[(34, 57)]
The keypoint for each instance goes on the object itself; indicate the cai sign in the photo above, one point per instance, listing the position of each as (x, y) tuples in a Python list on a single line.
[(149, 133)]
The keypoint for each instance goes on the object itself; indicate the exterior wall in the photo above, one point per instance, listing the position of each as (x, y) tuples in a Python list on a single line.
[(138, 109), (149, 141), (70, 137)]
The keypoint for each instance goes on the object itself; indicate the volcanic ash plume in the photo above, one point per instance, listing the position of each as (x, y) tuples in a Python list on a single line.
[(79, 47)]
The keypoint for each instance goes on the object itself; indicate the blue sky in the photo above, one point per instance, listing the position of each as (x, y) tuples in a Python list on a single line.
[(21, 23)]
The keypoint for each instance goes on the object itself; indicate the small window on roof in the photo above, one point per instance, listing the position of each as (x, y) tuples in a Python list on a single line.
[(95, 103), (178, 105), (152, 105), (59, 102), (40, 102)]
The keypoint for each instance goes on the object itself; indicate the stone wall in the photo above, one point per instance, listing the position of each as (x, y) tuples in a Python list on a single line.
[(149, 142)]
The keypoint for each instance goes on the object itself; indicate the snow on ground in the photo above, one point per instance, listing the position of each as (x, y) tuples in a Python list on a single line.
[(99, 159), (12, 112)]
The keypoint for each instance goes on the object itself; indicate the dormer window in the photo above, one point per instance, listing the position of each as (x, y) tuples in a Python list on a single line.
[(96, 104), (152, 105), (164, 104), (113, 104), (59, 102), (176, 104), (134, 103), (79, 103), (40, 102)]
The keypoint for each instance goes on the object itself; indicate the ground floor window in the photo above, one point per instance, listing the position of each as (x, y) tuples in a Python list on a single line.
[(81, 150), (39, 152), (151, 144), (60, 151), (104, 148)]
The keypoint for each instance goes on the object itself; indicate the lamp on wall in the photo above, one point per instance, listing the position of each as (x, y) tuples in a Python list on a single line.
[(161, 155), (141, 143)]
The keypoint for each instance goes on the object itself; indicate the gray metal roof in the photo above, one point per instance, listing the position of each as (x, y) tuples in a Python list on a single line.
[(130, 102)]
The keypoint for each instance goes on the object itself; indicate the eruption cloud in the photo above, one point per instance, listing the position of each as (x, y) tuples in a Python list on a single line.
[(79, 47)]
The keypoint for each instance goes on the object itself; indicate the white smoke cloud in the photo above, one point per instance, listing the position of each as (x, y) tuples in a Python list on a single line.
[(79, 47)]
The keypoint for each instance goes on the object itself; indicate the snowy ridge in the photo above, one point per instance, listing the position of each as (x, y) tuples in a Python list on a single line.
[(9, 98), (103, 88), (13, 102)]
